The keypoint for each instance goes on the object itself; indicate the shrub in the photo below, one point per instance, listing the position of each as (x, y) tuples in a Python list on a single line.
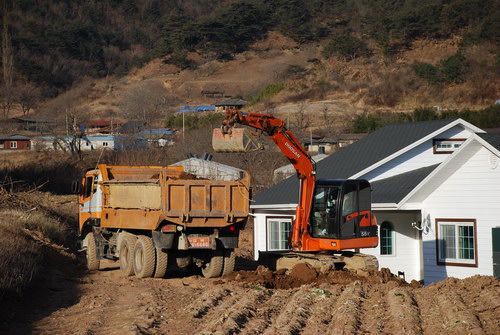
[(346, 47), (449, 70), (295, 71), (426, 71), (452, 69), (266, 93)]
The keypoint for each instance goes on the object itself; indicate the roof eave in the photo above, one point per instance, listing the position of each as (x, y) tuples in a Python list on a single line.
[(274, 206), (466, 124), (404, 202), (385, 206)]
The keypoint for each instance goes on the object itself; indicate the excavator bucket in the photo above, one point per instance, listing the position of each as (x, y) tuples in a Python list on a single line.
[(237, 140)]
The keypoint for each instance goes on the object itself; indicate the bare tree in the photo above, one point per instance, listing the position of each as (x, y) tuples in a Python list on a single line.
[(7, 54), (325, 114), (147, 101), (301, 119), (7, 63), (27, 97), (6, 100)]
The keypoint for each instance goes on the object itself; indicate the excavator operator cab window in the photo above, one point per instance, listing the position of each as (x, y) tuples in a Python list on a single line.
[(323, 218)]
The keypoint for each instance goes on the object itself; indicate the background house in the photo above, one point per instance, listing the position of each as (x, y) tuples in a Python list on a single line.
[(222, 106), (14, 142), (321, 145), (399, 160), (99, 126)]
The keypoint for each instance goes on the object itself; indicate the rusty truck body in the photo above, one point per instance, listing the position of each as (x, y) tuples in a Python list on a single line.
[(150, 216)]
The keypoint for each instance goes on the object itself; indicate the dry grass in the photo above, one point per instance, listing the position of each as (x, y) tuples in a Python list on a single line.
[(20, 257), (35, 221), (28, 221)]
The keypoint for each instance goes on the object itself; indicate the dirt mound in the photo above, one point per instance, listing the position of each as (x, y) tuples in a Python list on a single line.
[(302, 274)]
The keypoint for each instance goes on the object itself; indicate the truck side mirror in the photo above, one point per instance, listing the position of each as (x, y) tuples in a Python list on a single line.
[(75, 187)]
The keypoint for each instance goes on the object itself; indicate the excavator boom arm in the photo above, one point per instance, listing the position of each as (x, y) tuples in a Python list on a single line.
[(291, 148)]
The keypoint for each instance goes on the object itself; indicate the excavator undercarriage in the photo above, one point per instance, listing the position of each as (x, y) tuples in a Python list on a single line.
[(322, 261)]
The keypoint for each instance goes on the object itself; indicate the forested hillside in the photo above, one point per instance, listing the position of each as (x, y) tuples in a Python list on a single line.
[(50, 44)]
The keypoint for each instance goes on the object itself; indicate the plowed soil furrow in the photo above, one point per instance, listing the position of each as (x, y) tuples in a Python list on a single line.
[(374, 312), (346, 313), (207, 301), (266, 312), (457, 316), (293, 317), (430, 313), (321, 310), (235, 317), (486, 305), (404, 312)]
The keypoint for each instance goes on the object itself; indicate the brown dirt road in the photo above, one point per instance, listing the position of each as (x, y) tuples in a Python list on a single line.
[(70, 300)]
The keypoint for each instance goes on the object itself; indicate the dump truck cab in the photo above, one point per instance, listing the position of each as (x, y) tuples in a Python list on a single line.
[(90, 199)]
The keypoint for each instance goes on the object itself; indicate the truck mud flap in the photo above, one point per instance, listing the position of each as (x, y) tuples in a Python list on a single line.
[(163, 240), (229, 242)]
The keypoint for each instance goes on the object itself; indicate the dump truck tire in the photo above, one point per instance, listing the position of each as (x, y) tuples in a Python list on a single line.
[(214, 267), (161, 263), (127, 247), (229, 261), (91, 254), (144, 257)]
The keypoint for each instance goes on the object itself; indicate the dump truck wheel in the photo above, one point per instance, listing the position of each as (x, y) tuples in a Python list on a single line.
[(229, 261), (144, 257), (161, 263), (213, 268), (91, 255), (127, 247)]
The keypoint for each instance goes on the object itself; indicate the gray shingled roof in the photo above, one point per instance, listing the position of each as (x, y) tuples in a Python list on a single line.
[(493, 139), (6, 137), (395, 188), (354, 158)]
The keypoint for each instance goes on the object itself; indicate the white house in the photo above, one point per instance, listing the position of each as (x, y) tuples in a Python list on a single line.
[(436, 195), (85, 143)]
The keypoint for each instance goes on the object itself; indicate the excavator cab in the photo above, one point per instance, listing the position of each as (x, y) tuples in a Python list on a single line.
[(341, 210)]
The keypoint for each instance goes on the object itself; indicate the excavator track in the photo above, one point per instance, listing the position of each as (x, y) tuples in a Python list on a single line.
[(346, 260), (357, 261)]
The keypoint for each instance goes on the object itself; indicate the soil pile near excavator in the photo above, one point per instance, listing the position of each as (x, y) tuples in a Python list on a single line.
[(303, 273)]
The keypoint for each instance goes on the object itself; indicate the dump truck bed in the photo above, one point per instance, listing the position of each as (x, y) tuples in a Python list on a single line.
[(143, 197)]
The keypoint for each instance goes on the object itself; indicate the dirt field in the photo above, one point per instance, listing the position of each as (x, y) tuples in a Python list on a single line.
[(70, 300)]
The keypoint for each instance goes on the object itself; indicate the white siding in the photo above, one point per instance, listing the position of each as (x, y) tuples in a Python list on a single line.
[(99, 144), (406, 257), (471, 192), (260, 229), (418, 157)]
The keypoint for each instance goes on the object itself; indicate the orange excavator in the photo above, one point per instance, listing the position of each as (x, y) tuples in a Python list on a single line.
[(333, 218)]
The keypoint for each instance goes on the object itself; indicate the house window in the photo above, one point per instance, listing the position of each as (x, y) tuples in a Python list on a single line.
[(278, 230), (447, 146), (13, 145), (456, 242), (386, 238)]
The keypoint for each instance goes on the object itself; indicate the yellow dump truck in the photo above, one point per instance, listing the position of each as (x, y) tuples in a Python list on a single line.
[(150, 216)]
